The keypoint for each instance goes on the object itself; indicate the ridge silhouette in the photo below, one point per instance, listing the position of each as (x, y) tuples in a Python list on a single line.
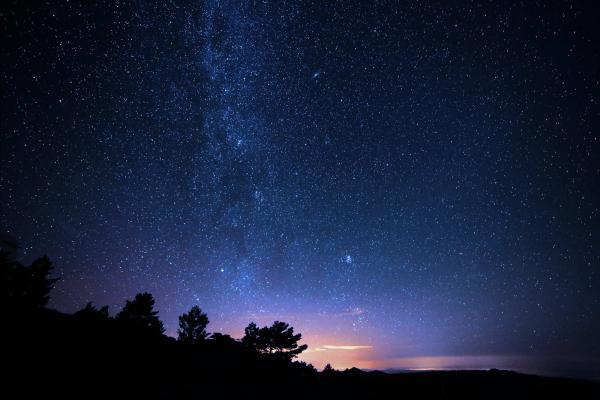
[(90, 354)]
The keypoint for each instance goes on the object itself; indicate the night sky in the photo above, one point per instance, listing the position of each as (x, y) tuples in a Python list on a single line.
[(409, 184)]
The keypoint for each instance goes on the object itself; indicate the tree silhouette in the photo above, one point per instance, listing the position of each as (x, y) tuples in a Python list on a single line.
[(192, 326), (25, 288), (278, 339), (254, 338), (139, 312), (222, 339), (283, 342), (91, 313), (328, 370), (41, 283)]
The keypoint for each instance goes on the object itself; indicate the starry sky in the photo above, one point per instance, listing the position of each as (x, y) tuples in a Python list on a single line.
[(410, 184)]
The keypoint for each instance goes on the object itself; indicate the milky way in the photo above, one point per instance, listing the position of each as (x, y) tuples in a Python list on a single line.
[(410, 185)]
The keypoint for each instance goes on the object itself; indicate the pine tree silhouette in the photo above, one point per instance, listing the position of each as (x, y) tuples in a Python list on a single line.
[(140, 313), (278, 340), (24, 288), (192, 326)]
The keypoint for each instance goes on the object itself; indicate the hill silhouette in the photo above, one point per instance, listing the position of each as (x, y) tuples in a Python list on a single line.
[(90, 355)]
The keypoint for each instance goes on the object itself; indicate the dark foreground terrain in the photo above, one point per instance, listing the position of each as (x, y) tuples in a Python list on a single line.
[(49, 355)]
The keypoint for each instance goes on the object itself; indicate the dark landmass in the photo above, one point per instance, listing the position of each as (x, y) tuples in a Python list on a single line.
[(47, 354), (54, 354)]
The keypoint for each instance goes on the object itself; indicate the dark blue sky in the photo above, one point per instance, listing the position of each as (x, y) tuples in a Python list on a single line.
[(410, 184)]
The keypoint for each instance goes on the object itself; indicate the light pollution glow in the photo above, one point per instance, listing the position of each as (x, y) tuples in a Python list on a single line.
[(332, 339), (347, 348)]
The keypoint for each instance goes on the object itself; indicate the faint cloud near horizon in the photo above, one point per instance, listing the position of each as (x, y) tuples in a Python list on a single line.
[(335, 347), (345, 347)]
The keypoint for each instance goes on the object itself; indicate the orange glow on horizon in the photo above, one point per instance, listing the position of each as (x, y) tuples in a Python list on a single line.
[(340, 353), (355, 349)]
